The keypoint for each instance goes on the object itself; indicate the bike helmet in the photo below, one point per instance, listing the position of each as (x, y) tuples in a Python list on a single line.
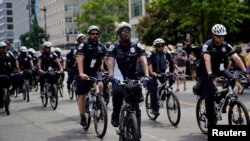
[(47, 44), (123, 25), (107, 44), (93, 27), (80, 35), (23, 49), (2, 44), (57, 49), (219, 29), (158, 41)]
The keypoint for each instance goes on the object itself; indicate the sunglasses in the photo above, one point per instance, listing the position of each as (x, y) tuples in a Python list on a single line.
[(94, 34), (125, 32), (159, 46), (220, 36)]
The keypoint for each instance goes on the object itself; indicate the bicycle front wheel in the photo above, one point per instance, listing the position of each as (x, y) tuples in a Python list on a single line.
[(6, 101), (100, 118), (27, 89), (238, 113), (173, 108), (131, 132), (54, 97), (201, 115)]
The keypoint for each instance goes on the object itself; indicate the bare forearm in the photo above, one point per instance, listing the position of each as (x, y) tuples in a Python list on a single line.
[(80, 66), (111, 65), (239, 62), (144, 65), (207, 59)]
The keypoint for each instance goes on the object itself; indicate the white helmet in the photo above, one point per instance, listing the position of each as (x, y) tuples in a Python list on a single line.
[(93, 27), (122, 25), (31, 50), (23, 49), (47, 44), (52, 49), (219, 29), (2, 44), (57, 49), (158, 41), (80, 35)]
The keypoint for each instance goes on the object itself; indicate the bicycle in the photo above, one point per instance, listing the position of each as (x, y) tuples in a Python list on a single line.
[(237, 111), (25, 76), (128, 129), (165, 93), (96, 108), (5, 92), (50, 87)]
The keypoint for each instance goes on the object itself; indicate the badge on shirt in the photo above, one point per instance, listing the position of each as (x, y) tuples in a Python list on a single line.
[(99, 48), (132, 50), (204, 48), (25, 59), (51, 55)]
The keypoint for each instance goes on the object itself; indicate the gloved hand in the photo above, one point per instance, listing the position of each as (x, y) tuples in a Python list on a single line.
[(145, 81), (211, 76), (114, 80)]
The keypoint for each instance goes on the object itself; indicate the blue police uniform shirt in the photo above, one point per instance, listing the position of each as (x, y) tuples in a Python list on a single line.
[(127, 58), (48, 59), (7, 63), (24, 61), (219, 56), (93, 55)]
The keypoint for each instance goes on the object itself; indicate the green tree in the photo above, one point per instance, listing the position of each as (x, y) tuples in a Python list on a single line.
[(33, 39), (106, 14), (194, 16)]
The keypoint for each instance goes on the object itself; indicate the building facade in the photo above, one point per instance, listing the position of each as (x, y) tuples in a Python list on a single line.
[(136, 11), (6, 20), (58, 17)]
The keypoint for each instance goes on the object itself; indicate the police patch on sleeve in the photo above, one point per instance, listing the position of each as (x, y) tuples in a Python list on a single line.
[(74, 52), (230, 46), (80, 46), (111, 48), (140, 46), (148, 54), (204, 48)]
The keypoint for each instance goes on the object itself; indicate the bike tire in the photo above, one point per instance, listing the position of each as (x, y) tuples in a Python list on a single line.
[(27, 90), (148, 107), (173, 108), (88, 117), (201, 115), (24, 92), (44, 97), (100, 115), (241, 109), (54, 97), (130, 124), (6, 101)]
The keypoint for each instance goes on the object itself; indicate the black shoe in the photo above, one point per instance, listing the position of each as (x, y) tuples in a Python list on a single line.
[(114, 120), (83, 121)]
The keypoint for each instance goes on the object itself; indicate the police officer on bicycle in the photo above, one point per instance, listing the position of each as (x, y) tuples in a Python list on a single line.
[(158, 60), (215, 53), (70, 64), (46, 62), (25, 63), (8, 65), (89, 57), (126, 53)]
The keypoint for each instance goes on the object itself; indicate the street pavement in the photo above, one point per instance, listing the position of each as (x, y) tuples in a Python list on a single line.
[(32, 122)]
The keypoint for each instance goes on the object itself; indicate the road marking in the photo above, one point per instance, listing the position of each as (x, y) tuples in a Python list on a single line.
[(153, 137)]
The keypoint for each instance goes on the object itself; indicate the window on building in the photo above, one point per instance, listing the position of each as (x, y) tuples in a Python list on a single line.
[(69, 19), (9, 12), (8, 5), (9, 26), (136, 6), (9, 19)]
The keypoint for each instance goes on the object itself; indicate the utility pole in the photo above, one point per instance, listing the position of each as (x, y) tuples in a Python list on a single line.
[(29, 9), (44, 9)]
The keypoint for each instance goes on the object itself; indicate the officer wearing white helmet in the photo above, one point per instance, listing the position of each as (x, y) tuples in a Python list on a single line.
[(90, 57), (80, 38), (215, 54), (47, 61), (127, 53)]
